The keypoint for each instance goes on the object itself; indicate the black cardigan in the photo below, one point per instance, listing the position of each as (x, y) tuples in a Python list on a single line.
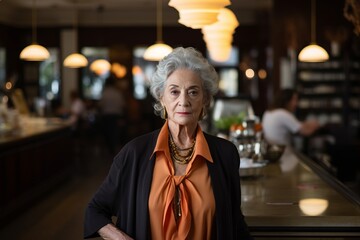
[(125, 191)]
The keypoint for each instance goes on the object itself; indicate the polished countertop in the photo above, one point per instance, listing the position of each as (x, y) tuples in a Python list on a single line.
[(295, 195), (29, 127)]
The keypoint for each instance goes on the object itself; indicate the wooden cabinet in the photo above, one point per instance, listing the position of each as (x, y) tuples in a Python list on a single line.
[(32, 162), (330, 91)]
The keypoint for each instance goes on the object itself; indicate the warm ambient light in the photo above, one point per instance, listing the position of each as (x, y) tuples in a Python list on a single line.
[(159, 50), (196, 14), (219, 36), (34, 52), (75, 60), (313, 206), (313, 52), (118, 69), (100, 66)]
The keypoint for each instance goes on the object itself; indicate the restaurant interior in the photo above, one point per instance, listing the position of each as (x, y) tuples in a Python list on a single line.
[(50, 168)]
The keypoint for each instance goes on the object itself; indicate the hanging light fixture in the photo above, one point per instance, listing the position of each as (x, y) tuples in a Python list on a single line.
[(313, 52), (100, 66), (75, 60), (159, 50), (199, 13), (34, 52), (219, 35)]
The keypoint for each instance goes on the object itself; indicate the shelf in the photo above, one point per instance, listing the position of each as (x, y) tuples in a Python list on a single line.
[(321, 66), (320, 110), (320, 95), (325, 82), (330, 89)]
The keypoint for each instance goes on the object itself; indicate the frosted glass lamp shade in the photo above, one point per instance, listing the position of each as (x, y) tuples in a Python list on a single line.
[(75, 60), (219, 35), (221, 54), (34, 52), (100, 66), (313, 53), (199, 13), (226, 21), (157, 51)]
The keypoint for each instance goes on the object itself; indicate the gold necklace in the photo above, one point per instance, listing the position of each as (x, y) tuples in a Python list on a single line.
[(177, 157)]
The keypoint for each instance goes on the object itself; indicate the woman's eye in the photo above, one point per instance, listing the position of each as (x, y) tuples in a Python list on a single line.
[(174, 92), (193, 93)]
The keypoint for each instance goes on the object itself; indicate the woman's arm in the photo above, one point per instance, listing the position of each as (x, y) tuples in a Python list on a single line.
[(110, 232)]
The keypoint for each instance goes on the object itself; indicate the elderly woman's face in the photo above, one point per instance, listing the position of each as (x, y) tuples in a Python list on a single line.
[(183, 97)]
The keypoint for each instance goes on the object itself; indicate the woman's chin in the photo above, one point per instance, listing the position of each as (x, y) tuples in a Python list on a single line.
[(184, 120)]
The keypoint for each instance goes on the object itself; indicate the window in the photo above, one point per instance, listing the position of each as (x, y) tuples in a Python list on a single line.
[(49, 76), (142, 72), (92, 83), (228, 73)]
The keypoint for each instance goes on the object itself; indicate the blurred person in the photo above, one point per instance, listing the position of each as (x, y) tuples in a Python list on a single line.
[(112, 111), (176, 182), (75, 114), (279, 122)]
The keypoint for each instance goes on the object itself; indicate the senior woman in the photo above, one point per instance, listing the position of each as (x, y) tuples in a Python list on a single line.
[(176, 182)]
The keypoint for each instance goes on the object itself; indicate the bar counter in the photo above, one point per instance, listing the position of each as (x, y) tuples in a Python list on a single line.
[(33, 159), (272, 202)]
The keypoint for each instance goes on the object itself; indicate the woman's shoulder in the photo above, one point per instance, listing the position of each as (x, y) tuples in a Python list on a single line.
[(140, 147)]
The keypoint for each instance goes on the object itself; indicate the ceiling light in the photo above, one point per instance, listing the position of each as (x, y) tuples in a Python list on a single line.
[(313, 52), (75, 60), (100, 66), (159, 50), (219, 35), (34, 52), (196, 14), (118, 69)]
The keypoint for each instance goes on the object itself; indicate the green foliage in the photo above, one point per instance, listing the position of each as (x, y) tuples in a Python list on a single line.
[(225, 122)]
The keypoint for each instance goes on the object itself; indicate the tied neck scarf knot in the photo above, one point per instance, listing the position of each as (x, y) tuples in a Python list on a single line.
[(177, 212)]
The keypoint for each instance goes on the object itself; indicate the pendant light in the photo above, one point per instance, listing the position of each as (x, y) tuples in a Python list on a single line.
[(34, 52), (75, 60), (100, 66), (159, 50), (199, 13), (313, 52), (219, 35)]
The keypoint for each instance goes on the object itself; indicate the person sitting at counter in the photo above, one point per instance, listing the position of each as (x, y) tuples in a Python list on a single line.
[(176, 182), (279, 122)]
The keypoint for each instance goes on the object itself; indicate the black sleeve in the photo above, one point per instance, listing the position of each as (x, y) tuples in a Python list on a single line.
[(238, 217), (101, 207)]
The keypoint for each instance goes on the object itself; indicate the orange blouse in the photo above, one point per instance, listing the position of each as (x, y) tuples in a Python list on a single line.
[(196, 194)]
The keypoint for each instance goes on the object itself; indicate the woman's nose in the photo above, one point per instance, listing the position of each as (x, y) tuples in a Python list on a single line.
[(183, 100)]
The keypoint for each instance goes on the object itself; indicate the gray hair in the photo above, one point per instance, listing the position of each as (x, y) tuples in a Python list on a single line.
[(184, 58)]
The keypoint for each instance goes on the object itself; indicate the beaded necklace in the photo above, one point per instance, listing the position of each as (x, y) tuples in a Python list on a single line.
[(181, 158)]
